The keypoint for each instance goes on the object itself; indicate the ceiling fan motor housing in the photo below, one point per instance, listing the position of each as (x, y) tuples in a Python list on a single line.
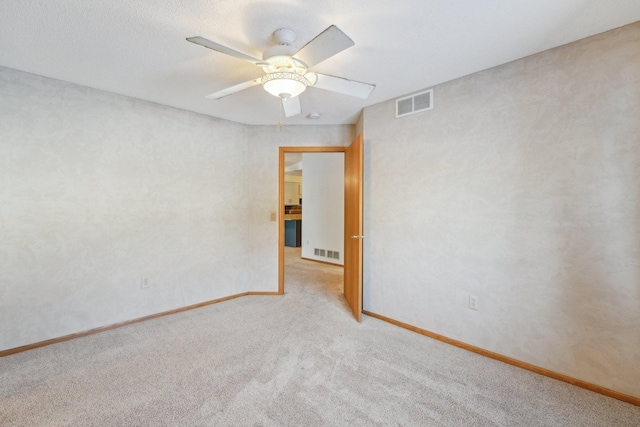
[(280, 56), (278, 53)]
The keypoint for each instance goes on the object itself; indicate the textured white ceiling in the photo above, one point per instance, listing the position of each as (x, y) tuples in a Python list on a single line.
[(138, 48)]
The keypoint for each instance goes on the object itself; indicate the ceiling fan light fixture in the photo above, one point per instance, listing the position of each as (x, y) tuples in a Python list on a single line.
[(284, 85)]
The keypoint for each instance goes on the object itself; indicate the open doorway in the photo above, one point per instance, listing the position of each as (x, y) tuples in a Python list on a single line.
[(321, 234), (352, 230), (291, 204), (314, 242)]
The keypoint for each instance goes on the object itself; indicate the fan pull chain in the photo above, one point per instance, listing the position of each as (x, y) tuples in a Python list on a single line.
[(280, 115)]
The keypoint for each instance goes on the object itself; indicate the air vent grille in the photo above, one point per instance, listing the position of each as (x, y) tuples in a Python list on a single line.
[(414, 103), (326, 253), (333, 254), (404, 107)]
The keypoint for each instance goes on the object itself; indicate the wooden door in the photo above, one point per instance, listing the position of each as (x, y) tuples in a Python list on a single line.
[(353, 164)]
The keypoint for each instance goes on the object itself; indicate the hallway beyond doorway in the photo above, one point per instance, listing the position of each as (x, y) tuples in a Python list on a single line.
[(322, 280)]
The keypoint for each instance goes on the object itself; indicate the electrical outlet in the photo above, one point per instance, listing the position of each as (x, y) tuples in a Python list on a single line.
[(144, 283), (473, 302)]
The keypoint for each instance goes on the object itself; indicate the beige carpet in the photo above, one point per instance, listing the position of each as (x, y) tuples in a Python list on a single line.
[(295, 360)]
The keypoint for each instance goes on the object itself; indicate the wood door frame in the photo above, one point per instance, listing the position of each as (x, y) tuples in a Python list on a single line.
[(281, 164)]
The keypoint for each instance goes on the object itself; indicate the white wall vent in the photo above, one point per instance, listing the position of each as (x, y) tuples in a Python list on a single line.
[(326, 253), (333, 254), (414, 103)]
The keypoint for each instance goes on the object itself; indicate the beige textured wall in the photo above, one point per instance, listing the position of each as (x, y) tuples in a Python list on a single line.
[(522, 187), (99, 190)]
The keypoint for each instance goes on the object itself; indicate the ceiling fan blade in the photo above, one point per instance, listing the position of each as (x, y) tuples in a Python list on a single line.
[(223, 49), (326, 44), (291, 106), (233, 89), (345, 86)]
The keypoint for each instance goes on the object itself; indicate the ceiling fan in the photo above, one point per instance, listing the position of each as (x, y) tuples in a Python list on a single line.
[(286, 70)]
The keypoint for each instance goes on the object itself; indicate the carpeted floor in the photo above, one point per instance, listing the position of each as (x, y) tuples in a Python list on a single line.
[(293, 360)]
